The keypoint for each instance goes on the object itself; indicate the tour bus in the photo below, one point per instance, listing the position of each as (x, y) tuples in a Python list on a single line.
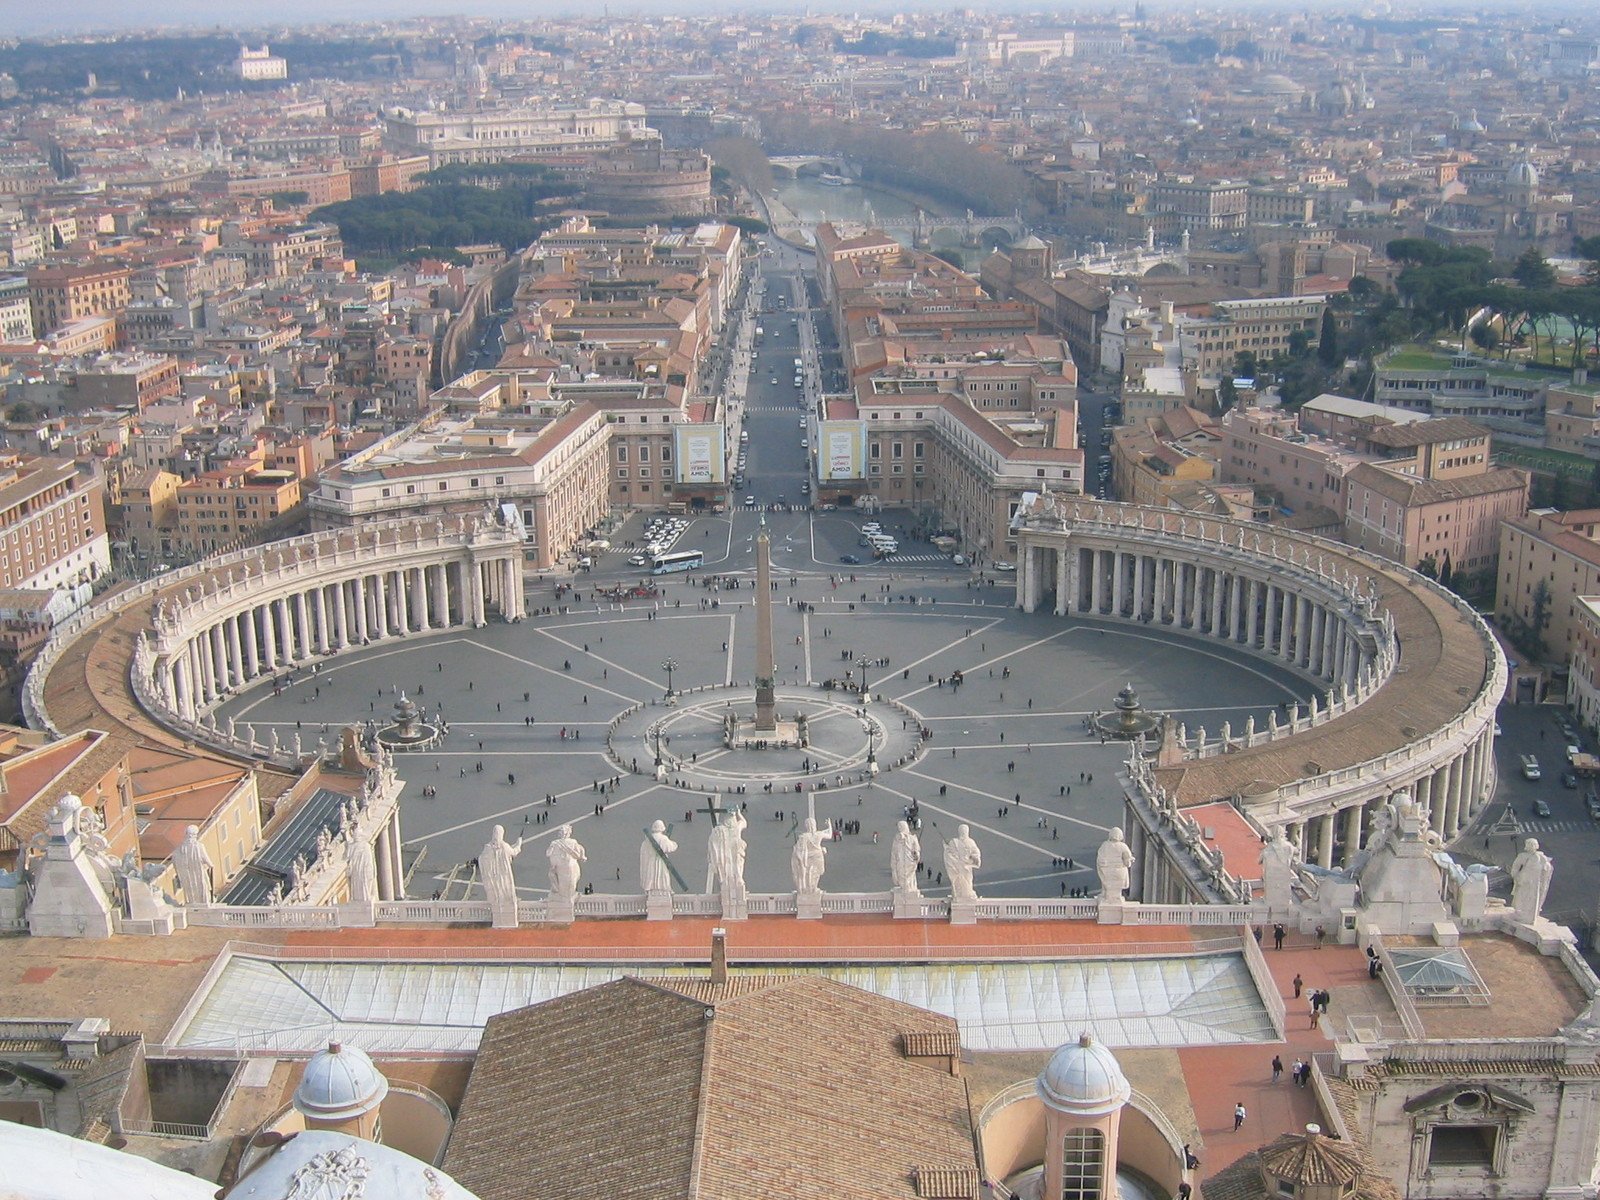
[(680, 560)]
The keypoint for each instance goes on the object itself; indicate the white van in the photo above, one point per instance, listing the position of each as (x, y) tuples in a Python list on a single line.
[(1530, 767)]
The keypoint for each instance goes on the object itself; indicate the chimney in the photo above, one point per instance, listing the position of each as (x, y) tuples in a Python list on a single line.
[(719, 956), (1580, 375)]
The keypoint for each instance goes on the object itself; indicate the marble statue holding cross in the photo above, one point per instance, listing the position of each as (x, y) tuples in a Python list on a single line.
[(725, 853)]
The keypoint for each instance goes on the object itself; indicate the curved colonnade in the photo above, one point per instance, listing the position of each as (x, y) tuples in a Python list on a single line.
[(1410, 674), (223, 624)]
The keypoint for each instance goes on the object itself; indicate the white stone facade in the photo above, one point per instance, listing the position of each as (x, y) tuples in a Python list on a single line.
[(1302, 602)]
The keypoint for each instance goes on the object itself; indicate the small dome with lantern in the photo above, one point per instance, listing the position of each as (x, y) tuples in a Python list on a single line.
[(1083, 1079)]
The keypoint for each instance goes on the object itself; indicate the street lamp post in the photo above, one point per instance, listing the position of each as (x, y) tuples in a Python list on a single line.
[(863, 663), (669, 665)]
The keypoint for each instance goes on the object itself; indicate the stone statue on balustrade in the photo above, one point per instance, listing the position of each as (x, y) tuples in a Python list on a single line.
[(961, 858), (905, 856), (362, 869), (1114, 864), (725, 854), (1530, 881), (499, 881), (655, 871), (566, 858), (809, 858), (1277, 871), (194, 868)]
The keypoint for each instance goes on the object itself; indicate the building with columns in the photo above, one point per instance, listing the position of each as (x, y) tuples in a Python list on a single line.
[(317, 594), (1340, 617)]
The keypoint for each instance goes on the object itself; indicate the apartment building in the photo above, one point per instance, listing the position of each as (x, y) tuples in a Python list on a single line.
[(1155, 459), (52, 523), (1572, 416), (128, 381), (1560, 550), (89, 764), (530, 132), (1202, 205), (1261, 327), (59, 295), (221, 508), (1583, 670)]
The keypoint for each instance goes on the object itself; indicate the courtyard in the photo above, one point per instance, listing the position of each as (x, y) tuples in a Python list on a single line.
[(559, 719)]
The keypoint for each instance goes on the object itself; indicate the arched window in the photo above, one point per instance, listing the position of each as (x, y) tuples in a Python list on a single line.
[(1083, 1153)]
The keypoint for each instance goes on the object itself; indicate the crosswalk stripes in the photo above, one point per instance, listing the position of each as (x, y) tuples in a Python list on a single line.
[(1538, 827)]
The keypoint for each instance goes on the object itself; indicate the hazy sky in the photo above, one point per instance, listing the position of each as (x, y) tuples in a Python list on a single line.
[(18, 17)]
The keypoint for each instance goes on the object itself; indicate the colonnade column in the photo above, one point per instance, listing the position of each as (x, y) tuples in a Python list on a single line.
[(474, 572), (1119, 562), (324, 638), (230, 641), (1063, 574), (247, 630), (269, 640), (1097, 582), (381, 851), (358, 606), (397, 867), (1325, 840), (302, 645), (416, 583), (1352, 833), (1269, 632)]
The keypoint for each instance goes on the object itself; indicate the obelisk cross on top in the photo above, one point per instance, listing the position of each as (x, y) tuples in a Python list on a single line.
[(766, 669)]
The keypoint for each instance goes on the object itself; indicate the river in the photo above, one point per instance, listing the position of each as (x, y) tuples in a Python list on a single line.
[(810, 201)]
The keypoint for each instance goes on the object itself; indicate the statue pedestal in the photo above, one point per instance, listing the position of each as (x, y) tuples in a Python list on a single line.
[(658, 906), (357, 915), (963, 912), (735, 908), (661, 772), (558, 911), (808, 906), (503, 918), (1110, 910), (907, 905)]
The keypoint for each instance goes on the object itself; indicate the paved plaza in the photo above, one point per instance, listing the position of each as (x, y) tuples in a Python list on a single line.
[(567, 704)]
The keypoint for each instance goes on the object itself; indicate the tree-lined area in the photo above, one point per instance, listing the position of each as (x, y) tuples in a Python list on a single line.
[(446, 214), (939, 165)]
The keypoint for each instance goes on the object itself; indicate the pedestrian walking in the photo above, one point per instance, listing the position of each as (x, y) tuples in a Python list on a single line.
[(1299, 1072), (1238, 1116), (1277, 1068), (1298, 984)]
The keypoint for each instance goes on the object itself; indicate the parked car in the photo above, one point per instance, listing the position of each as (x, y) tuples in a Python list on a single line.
[(1569, 780), (849, 559)]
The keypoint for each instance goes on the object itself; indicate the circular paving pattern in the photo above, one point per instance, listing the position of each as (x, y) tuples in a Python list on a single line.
[(846, 742)]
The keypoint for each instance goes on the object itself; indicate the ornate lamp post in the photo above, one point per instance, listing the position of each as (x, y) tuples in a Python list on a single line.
[(669, 665), (863, 662)]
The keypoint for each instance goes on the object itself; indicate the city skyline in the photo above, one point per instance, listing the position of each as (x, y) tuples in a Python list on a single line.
[(257, 16)]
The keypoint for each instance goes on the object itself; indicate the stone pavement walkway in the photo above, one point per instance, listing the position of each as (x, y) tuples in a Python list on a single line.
[(1220, 1077)]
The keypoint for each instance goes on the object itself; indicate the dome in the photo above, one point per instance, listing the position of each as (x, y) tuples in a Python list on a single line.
[(1278, 85), (340, 1083), (1522, 174), (1030, 243), (1083, 1080)]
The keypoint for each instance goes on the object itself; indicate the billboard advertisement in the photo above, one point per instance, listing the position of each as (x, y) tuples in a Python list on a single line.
[(698, 456), (841, 450)]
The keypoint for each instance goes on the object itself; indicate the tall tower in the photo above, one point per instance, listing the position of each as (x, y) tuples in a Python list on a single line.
[(766, 669), (1083, 1090)]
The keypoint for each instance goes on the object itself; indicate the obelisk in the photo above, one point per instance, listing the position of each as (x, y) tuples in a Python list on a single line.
[(766, 702)]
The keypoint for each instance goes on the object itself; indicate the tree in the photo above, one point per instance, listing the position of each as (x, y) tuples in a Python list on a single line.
[(1533, 271), (1428, 566), (1328, 341), (1228, 396)]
